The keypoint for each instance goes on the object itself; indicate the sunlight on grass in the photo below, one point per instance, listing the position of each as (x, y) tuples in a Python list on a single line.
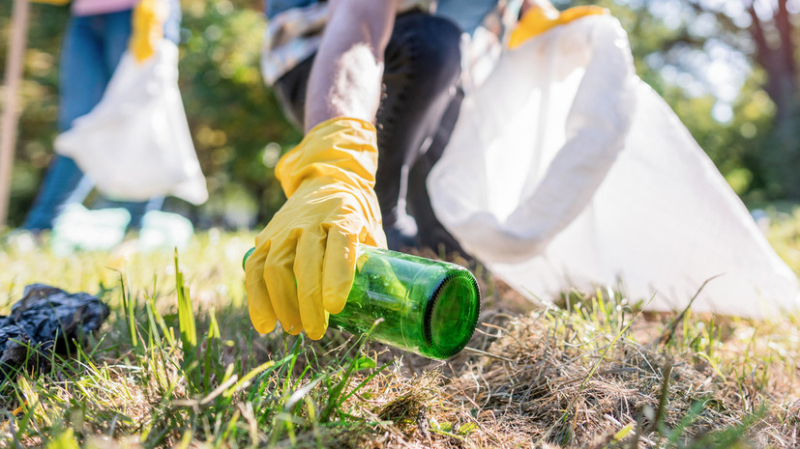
[(178, 364)]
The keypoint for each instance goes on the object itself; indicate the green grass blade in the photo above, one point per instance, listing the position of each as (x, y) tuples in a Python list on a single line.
[(185, 312)]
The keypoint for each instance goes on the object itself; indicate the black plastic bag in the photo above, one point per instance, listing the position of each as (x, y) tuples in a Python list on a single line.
[(46, 319)]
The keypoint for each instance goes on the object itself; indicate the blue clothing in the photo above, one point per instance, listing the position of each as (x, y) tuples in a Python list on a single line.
[(467, 14), (93, 47), (274, 7)]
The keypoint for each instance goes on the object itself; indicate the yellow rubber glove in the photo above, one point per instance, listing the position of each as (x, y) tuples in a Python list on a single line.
[(148, 28), (537, 20), (331, 208)]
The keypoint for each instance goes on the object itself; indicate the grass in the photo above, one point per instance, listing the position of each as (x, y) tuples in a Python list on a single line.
[(178, 365)]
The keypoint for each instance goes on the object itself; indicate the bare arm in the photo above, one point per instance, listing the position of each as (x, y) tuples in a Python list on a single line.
[(345, 79)]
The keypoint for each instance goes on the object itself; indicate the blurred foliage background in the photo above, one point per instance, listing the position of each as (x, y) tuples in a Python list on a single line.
[(728, 68)]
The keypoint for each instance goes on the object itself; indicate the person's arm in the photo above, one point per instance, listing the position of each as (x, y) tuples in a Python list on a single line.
[(345, 79), (303, 266)]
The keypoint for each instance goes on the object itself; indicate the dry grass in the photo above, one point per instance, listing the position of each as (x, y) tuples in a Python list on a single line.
[(564, 379), (596, 374), (572, 388)]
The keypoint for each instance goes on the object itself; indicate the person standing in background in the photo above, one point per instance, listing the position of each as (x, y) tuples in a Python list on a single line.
[(97, 35)]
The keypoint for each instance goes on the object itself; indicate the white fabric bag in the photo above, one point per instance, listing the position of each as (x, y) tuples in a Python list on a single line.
[(135, 144), (566, 170)]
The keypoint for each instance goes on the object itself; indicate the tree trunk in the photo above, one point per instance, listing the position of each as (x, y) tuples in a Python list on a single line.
[(9, 121), (777, 57)]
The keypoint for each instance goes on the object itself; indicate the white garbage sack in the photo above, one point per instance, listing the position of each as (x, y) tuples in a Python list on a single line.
[(566, 170), (135, 144)]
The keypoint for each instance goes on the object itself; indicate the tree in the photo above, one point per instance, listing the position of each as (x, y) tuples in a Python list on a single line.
[(236, 122), (771, 45), (764, 31)]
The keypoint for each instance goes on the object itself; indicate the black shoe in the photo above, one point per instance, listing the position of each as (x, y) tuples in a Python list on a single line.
[(401, 234)]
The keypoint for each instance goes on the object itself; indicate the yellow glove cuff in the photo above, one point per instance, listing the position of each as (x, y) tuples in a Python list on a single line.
[(345, 149), (539, 20)]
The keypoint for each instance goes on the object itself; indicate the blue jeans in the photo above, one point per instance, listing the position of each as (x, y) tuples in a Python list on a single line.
[(93, 47)]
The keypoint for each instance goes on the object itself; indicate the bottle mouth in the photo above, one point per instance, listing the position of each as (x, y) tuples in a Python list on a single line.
[(452, 314)]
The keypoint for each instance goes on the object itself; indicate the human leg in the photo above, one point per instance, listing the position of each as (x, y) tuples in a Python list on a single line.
[(422, 67), (116, 33), (290, 90), (82, 82), (432, 233)]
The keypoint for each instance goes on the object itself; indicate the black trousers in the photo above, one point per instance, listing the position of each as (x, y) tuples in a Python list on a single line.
[(417, 114)]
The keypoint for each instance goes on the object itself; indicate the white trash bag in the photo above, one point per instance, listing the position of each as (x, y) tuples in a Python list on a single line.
[(566, 170), (135, 144)]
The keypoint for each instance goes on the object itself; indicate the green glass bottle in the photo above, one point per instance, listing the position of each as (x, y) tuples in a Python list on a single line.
[(420, 305)]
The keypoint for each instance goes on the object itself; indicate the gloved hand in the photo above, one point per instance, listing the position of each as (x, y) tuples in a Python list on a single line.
[(305, 259), (148, 28), (545, 16)]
